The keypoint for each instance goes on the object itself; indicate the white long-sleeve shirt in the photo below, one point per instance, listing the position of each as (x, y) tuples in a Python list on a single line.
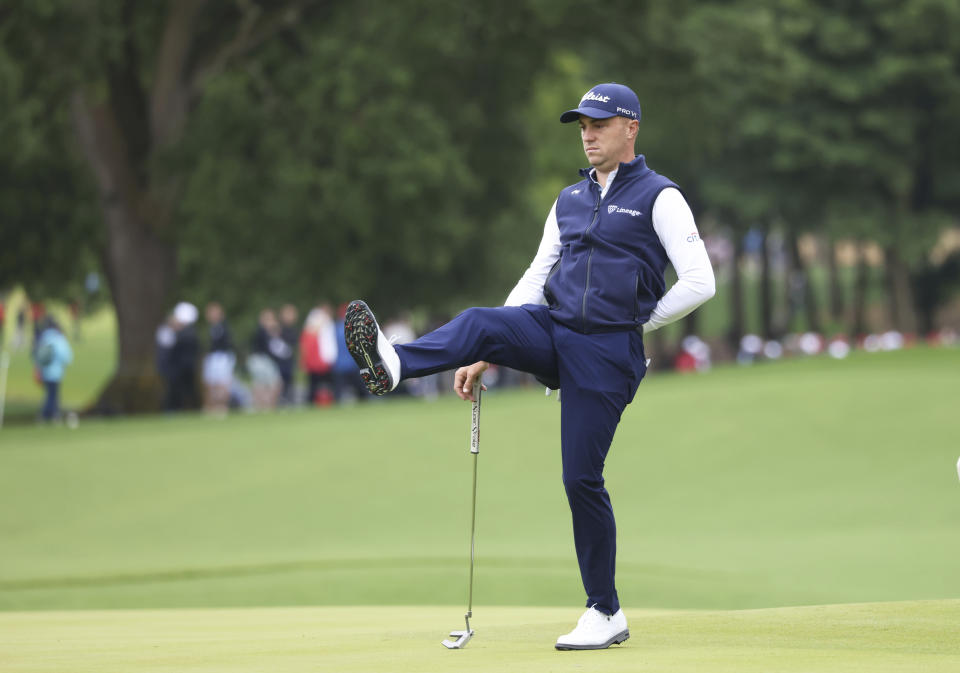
[(677, 231)]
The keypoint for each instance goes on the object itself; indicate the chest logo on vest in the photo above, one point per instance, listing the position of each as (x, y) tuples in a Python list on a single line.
[(627, 211)]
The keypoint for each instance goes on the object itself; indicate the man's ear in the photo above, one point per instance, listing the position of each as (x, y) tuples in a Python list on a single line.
[(633, 127)]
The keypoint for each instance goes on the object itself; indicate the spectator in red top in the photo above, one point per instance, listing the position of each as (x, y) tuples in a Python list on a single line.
[(318, 352)]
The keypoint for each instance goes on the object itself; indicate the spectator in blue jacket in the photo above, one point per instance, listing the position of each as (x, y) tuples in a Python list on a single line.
[(51, 355)]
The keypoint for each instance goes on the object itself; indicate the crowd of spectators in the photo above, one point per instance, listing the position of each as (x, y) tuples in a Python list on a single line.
[(284, 363), (695, 354), (281, 364), (288, 364)]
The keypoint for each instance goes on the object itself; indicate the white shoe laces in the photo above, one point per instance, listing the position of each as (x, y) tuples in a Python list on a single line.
[(593, 615)]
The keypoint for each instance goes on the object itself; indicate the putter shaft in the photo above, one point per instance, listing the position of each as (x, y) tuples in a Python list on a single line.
[(463, 637), (475, 451)]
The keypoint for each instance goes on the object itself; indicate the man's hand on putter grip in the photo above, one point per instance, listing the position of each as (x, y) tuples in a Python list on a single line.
[(464, 378)]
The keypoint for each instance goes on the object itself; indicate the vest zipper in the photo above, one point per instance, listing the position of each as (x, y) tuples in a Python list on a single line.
[(636, 297), (586, 286)]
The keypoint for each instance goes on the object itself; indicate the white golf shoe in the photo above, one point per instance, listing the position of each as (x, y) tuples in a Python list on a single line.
[(595, 631), (374, 354)]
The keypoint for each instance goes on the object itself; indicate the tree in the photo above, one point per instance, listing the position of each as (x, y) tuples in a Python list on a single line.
[(128, 75), (302, 147), (881, 85), (832, 118), (396, 176)]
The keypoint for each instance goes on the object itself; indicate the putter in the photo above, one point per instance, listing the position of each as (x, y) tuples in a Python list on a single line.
[(459, 639)]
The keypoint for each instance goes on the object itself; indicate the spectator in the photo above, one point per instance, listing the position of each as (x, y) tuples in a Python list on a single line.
[(38, 311), (290, 333), (19, 337), (400, 330), (266, 347), (164, 338), (318, 347), (183, 356), (219, 362), (51, 355)]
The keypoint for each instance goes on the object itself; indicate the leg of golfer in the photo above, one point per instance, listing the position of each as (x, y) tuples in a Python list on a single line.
[(599, 374), (511, 336)]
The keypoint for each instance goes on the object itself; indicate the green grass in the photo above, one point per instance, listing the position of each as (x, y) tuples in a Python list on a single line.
[(807, 482), (879, 637)]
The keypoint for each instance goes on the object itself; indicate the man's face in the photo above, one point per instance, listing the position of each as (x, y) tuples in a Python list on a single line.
[(607, 142), (214, 313)]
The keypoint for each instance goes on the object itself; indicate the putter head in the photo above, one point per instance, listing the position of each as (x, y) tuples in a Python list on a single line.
[(462, 638)]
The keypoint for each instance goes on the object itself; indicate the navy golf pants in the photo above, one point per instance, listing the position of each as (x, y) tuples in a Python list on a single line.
[(598, 376)]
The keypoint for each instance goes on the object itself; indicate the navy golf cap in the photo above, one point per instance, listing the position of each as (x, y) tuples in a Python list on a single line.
[(606, 100)]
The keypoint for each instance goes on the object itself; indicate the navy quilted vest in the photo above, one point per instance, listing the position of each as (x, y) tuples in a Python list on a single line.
[(610, 273)]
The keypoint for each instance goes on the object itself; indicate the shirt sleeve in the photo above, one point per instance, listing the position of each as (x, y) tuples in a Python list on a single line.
[(529, 290), (673, 222)]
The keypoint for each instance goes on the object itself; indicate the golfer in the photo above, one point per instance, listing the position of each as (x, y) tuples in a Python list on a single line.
[(576, 321)]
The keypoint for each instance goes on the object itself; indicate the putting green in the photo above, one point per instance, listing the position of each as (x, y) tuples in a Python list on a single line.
[(875, 637)]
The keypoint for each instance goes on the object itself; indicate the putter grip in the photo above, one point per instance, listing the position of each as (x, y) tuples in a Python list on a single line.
[(475, 417)]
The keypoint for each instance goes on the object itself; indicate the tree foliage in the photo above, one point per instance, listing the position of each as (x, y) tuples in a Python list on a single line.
[(814, 116), (384, 171), (49, 230)]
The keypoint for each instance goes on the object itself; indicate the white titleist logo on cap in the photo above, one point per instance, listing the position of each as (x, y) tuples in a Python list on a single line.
[(592, 96)]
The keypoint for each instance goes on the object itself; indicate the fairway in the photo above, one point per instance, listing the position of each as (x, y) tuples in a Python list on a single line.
[(802, 483)]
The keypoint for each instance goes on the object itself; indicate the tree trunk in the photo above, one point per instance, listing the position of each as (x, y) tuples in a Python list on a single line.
[(899, 292), (836, 287), (119, 135), (141, 274), (801, 295), (766, 291), (861, 282), (793, 281), (139, 263), (737, 312)]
